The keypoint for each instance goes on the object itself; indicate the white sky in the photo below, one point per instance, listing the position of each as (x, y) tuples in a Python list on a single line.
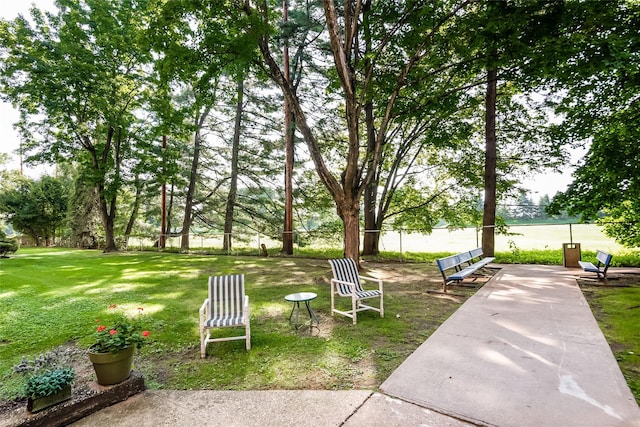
[(9, 137), (547, 183)]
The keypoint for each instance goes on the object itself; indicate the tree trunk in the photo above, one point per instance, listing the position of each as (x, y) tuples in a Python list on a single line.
[(193, 177), (233, 183), (349, 212), (289, 130), (167, 231), (287, 234), (163, 199), (371, 232), (489, 212), (108, 206), (108, 213), (370, 196), (134, 211)]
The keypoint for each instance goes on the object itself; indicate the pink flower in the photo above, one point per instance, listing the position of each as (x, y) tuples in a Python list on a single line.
[(145, 333), (113, 332), (101, 328)]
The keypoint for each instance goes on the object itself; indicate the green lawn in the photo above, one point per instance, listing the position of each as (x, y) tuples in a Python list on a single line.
[(617, 310), (52, 297)]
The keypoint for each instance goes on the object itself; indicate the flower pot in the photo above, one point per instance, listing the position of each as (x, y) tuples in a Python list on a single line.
[(112, 368), (40, 403)]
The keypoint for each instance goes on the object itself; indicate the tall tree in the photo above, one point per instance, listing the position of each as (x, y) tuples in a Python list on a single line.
[(354, 79), (36, 208), (197, 44), (233, 181), (599, 85), (289, 132), (77, 78), (509, 42), (490, 164)]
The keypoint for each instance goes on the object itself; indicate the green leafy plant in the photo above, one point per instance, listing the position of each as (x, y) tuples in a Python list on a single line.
[(121, 334), (49, 382), (7, 245)]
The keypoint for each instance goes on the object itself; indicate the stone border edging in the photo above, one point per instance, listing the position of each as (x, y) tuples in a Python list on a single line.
[(74, 410)]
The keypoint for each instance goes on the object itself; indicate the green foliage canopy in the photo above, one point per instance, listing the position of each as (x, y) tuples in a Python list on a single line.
[(35, 208), (602, 104)]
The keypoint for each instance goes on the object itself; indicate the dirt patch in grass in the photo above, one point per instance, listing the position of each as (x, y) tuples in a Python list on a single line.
[(613, 280)]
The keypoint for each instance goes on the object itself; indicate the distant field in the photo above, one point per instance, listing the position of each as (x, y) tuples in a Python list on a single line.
[(589, 236), (547, 236)]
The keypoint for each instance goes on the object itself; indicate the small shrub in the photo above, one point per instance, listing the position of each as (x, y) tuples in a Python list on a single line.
[(7, 246), (49, 382)]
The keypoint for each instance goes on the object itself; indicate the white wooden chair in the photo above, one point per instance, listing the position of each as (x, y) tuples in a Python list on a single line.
[(346, 282), (227, 305)]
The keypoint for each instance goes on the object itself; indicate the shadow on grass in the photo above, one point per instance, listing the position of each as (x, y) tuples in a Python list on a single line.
[(52, 298)]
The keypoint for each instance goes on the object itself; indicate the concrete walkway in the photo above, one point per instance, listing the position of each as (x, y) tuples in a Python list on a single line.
[(525, 350)]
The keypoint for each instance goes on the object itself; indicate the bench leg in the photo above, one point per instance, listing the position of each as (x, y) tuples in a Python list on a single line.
[(444, 291)]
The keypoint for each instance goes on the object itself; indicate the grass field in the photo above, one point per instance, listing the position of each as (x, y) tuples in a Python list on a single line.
[(540, 237), (50, 299)]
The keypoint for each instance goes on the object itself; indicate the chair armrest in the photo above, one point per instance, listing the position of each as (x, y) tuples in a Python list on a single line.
[(203, 307), (372, 279), (353, 285), (203, 310)]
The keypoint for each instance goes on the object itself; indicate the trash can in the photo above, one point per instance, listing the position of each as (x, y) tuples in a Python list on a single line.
[(571, 254)]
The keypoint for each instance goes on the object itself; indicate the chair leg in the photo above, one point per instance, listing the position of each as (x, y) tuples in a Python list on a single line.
[(381, 306), (203, 344), (354, 305), (247, 332), (332, 299)]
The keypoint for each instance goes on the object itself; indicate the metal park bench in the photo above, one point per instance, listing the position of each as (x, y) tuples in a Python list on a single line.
[(603, 261), (461, 266)]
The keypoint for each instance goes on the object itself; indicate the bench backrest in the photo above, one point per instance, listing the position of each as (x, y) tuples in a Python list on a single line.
[(604, 258), (465, 257), (448, 262), (476, 253)]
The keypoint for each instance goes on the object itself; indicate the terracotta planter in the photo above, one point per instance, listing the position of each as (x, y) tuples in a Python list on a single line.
[(112, 368), (40, 403)]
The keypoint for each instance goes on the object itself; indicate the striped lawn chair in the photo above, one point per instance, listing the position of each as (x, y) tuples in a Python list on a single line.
[(346, 282), (227, 305)]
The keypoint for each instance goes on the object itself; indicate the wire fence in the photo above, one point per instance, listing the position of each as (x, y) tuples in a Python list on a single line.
[(534, 236)]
